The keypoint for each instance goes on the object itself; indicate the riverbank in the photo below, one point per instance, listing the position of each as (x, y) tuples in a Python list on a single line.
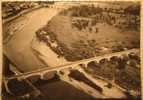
[(45, 53), (18, 48), (20, 14)]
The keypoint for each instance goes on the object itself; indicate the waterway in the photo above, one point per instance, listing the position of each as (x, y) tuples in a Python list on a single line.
[(18, 45)]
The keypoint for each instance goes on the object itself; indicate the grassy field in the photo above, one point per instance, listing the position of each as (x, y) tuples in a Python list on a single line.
[(97, 31), (124, 72)]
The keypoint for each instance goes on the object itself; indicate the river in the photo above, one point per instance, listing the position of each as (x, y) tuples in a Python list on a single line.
[(18, 48)]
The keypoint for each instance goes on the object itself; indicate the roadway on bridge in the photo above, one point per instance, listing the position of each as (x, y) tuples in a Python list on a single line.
[(73, 64)]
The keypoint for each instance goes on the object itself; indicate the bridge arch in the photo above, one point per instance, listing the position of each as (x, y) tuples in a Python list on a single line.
[(132, 55), (114, 58), (125, 57), (97, 60), (93, 64), (48, 75), (34, 78), (82, 65), (104, 60), (64, 71)]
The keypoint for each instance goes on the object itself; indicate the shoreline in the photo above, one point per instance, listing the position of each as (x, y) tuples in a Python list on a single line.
[(7, 20)]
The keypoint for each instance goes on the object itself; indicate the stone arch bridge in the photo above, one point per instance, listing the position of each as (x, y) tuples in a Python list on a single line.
[(84, 63), (43, 73)]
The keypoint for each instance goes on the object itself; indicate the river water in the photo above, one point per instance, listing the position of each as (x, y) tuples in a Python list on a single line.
[(18, 48)]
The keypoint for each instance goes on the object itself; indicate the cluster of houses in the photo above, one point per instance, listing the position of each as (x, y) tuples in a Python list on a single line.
[(13, 8)]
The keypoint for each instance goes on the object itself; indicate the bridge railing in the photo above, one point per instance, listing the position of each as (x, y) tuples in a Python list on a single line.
[(71, 65)]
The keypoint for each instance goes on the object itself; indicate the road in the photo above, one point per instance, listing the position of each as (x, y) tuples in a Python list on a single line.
[(18, 48), (73, 64)]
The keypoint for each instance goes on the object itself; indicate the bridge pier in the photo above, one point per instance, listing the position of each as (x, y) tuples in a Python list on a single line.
[(83, 63), (48, 75), (34, 78)]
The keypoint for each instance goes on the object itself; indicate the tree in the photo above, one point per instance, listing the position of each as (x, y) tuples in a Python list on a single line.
[(133, 9)]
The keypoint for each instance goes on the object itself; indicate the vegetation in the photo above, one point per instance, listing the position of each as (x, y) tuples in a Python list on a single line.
[(85, 10), (21, 87), (117, 69), (13, 8), (75, 74)]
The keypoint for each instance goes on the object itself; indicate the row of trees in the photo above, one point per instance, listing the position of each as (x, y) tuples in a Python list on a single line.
[(89, 10), (13, 8), (85, 10), (126, 75)]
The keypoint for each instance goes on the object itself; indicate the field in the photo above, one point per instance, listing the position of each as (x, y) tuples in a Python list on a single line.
[(81, 35), (123, 71)]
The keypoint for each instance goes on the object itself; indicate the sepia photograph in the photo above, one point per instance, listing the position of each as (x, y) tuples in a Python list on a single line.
[(71, 50)]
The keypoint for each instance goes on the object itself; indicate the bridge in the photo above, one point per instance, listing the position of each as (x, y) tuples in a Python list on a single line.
[(41, 73), (85, 62)]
